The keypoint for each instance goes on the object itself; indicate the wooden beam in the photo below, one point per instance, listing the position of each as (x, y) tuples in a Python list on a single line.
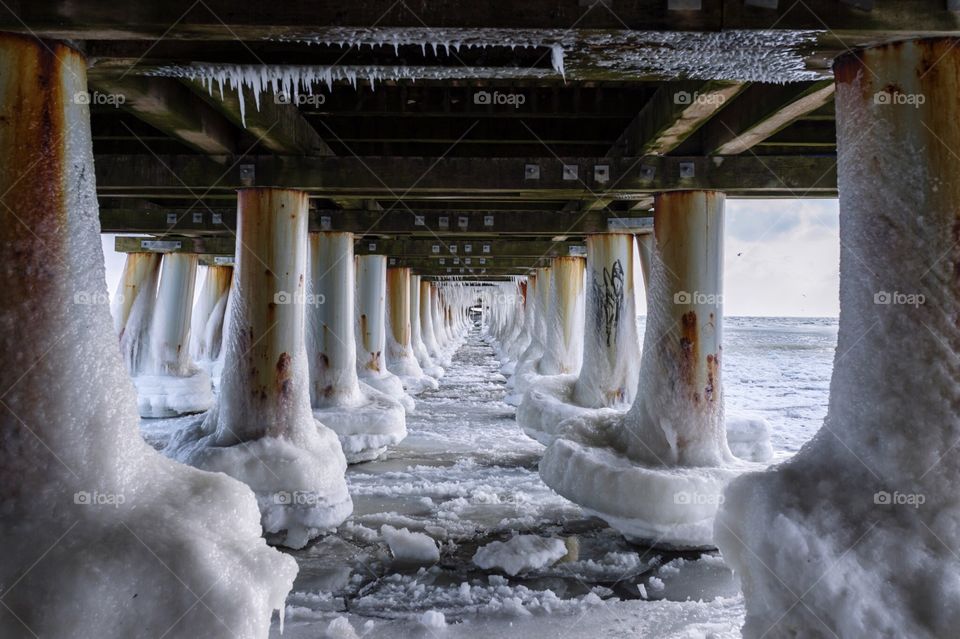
[(760, 112), (466, 178), (171, 108), (227, 20), (277, 125), (200, 220), (472, 248), (672, 115)]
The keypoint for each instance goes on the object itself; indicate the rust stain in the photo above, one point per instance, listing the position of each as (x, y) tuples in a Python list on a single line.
[(284, 374), (689, 347)]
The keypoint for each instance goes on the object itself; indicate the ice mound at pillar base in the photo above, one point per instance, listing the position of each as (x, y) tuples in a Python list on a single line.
[(667, 507), (548, 405), (367, 427), (391, 386), (298, 482), (167, 396), (133, 563)]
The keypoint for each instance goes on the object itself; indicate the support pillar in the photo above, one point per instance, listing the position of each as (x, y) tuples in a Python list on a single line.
[(262, 430), (873, 493), (332, 351), (170, 384), (677, 418), (611, 353), (401, 359), (365, 420), (170, 328), (133, 307), (371, 328), (563, 351), (426, 321), (417, 329), (208, 314), (83, 496)]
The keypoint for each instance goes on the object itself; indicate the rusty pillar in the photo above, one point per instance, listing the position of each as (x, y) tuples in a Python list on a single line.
[(133, 307), (398, 305), (264, 379), (332, 349), (677, 418), (611, 352), (564, 335), (141, 272)]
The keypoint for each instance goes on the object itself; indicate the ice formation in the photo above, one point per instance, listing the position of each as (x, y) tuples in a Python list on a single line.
[(371, 334), (366, 420), (657, 472), (206, 340), (519, 553), (401, 360), (855, 536), (262, 429), (101, 535), (611, 356), (133, 306)]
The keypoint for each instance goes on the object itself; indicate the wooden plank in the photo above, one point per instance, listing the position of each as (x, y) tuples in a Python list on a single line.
[(672, 115), (171, 108), (760, 112), (278, 125)]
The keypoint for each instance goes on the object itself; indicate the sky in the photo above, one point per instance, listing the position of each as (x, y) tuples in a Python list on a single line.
[(781, 259)]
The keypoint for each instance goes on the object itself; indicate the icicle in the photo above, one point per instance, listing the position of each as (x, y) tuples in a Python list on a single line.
[(556, 59)]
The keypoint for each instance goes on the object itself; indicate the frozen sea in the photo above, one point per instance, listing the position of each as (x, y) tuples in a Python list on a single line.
[(466, 476)]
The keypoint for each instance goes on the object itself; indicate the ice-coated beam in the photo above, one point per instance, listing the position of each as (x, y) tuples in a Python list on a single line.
[(564, 346), (873, 495), (332, 351), (677, 418), (89, 509), (170, 328), (611, 352)]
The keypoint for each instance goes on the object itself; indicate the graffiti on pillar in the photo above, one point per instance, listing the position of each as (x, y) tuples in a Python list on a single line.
[(608, 297)]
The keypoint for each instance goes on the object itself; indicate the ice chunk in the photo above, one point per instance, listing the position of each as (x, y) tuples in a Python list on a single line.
[(520, 553), (412, 547)]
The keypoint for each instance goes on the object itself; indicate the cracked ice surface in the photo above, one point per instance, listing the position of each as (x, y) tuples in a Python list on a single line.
[(466, 477)]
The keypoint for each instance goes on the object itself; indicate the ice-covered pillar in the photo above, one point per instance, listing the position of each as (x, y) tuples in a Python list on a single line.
[(426, 321), (371, 312), (332, 350), (83, 496), (418, 330), (564, 339), (874, 493), (208, 314), (138, 284), (171, 384), (401, 359), (170, 329), (371, 328), (611, 352), (262, 430), (133, 307), (644, 251), (677, 417)]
